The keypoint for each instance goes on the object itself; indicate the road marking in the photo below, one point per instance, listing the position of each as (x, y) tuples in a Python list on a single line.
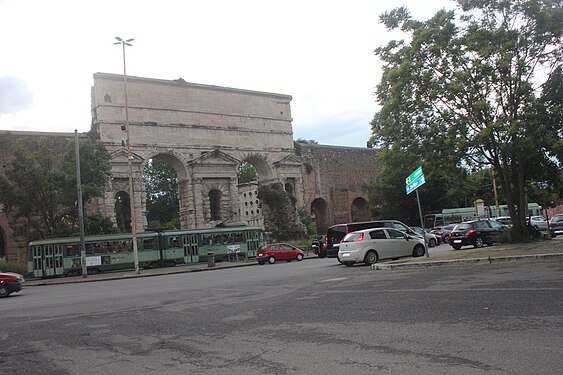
[(331, 280)]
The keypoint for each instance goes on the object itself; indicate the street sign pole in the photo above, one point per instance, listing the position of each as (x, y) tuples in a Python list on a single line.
[(421, 223), (413, 182)]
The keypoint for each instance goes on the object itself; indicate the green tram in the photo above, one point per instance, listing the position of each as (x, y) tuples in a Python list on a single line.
[(62, 257)]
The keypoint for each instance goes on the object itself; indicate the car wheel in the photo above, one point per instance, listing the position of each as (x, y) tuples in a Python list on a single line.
[(299, 257), (478, 242), (348, 264), (4, 291), (261, 262), (418, 251), (432, 242), (456, 247), (370, 258), (271, 260)]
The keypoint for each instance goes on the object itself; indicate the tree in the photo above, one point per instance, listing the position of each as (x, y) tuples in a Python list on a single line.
[(481, 89), (161, 184), (39, 186), (246, 173)]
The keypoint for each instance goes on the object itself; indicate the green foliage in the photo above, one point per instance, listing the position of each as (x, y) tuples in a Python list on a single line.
[(161, 186), (6, 266), (281, 208), (472, 92), (39, 187), (305, 218), (99, 224), (246, 173)]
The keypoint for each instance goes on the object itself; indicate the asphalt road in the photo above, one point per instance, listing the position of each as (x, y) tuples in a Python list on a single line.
[(310, 317)]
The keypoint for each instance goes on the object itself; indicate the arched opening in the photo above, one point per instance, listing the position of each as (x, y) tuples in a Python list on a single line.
[(2, 244), (123, 211), (288, 187), (319, 215), (246, 173), (261, 167), (162, 190), (215, 204), (359, 210)]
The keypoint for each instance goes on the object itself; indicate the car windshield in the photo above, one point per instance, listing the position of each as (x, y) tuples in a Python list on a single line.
[(351, 237), (462, 226)]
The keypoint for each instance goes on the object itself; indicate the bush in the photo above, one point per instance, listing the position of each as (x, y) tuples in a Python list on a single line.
[(6, 266)]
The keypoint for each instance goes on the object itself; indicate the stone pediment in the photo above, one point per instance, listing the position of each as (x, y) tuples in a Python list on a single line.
[(215, 157), (288, 160), (120, 156)]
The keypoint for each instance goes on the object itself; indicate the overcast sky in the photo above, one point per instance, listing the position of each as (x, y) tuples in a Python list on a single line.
[(318, 51)]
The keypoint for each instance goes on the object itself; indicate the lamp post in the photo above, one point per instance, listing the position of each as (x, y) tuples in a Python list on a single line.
[(124, 43)]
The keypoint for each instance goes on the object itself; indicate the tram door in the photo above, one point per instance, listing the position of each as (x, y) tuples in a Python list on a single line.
[(252, 242), (189, 242), (47, 260)]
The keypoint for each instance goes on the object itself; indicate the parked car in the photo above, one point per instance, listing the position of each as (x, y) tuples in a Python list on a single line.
[(316, 245), (475, 232), (443, 232), (10, 283), (504, 220), (370, 245), (273, 252), (337, 232), (430, 238), (556, 225), (538, 222)]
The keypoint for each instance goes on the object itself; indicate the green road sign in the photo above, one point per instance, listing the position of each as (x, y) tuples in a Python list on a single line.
[(414, 175)]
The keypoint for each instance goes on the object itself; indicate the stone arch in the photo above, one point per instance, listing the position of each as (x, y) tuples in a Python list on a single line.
[(289, 186), (263, 168), (177, 163), (319, 214), (122, 209), (359, 210)]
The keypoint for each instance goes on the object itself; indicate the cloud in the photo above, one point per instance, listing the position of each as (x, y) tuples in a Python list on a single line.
[(14, 95)]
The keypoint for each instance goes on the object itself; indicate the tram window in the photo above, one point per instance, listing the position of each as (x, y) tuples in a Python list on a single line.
[(89, 248), (72, 250), (173, 242), (148, 244)]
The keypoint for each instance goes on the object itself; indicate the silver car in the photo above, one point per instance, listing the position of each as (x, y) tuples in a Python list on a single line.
[(370, 245)]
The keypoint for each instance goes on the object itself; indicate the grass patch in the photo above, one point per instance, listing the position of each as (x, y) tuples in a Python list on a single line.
[(553, 246)]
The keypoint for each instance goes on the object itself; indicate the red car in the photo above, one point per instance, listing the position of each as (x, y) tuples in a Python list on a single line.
[(278, 251), (10, 283)]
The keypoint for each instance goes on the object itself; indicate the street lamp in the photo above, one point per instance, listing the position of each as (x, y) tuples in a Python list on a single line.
[(126, 128)]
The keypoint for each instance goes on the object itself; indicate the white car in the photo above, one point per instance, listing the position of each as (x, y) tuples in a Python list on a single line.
[(538, 222), (430, 238), (370, 245)]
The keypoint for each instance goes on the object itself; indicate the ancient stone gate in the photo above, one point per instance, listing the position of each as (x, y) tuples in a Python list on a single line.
[(205, 132)]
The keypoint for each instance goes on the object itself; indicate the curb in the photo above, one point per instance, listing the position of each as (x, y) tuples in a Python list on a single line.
[(469, 261), (128, 274)]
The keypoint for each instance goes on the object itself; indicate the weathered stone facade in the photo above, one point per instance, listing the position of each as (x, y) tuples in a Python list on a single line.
[(205, 132)]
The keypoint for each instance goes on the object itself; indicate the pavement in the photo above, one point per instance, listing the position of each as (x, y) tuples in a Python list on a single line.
[(391, 265)]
